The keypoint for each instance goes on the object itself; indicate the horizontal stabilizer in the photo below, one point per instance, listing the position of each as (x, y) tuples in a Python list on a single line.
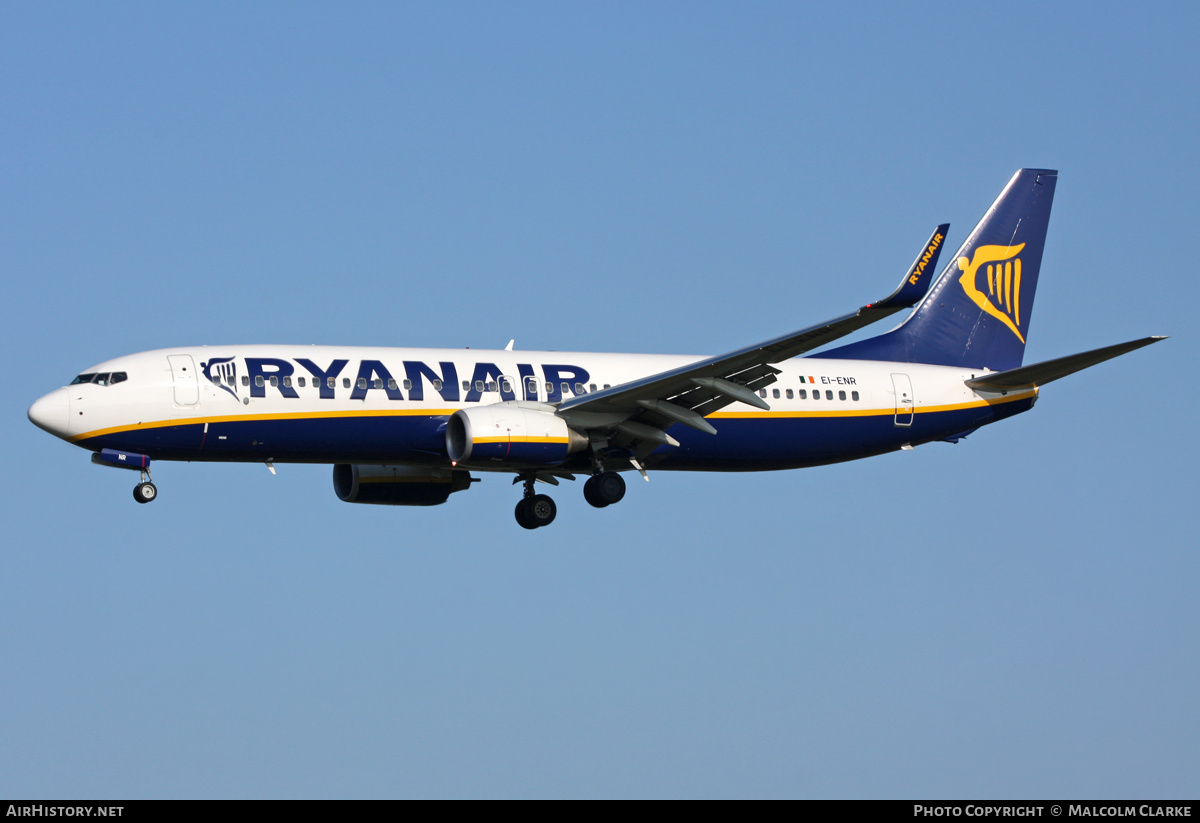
[(1039, 374)]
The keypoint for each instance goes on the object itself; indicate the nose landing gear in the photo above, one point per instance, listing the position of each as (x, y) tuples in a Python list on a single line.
[(145, 492)]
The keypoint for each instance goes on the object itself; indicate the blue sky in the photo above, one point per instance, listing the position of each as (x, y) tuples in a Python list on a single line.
[(1013, 616)]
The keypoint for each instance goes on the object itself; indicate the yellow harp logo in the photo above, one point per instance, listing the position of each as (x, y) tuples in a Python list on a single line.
[(1002, 268)]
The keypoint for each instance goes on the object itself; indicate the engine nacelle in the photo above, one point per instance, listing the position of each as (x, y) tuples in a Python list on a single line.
[(397, 485), (510, 434)]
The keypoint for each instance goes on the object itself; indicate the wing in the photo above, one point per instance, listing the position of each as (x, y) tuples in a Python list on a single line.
[(636, 414)]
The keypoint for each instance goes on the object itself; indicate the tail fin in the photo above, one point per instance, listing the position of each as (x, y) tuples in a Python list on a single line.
[(977, 314)]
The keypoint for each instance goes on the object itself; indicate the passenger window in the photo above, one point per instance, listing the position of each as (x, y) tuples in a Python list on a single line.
[(775, 393), (531, 386), (854, 395), (362, 382), (491, 385), (407, 385), (565, 388), (466, 385), (245, 380), (803, 394), (287, 381), (762, 392), (579, 388), (437, 385), (275, 381), (591, 387), (478, 385), (828, 394), (816, 394), (377, 383), (505, 385), (331, 382), (789, 394), (841, 395), (300, 381), (549, 388), (391, 384), (258, 381), (345, 382)]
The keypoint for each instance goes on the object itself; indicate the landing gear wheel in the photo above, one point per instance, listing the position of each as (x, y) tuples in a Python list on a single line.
[(591, 495), (534, 510), (144, 492), (540, 510), (523, 517), (604, 489)]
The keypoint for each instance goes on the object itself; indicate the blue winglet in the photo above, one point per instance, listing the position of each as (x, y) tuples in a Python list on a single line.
[(920, 274)]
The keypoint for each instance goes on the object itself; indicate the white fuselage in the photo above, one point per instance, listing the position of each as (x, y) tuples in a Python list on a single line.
[(329, 404)]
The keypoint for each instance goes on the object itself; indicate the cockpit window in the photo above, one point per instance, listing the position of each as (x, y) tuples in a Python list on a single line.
[(101, 378)]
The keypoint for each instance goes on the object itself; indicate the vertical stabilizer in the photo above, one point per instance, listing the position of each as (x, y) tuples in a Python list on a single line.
[(977, 314)]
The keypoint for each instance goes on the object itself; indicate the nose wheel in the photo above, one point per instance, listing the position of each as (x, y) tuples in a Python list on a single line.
[(145, 491)]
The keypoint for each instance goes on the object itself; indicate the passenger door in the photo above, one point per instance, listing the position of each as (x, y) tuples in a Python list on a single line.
[(904, 399), (183, 376)]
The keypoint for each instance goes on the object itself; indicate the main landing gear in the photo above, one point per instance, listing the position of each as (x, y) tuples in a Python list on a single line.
[(535, 510), (145, 491), (604, 489)]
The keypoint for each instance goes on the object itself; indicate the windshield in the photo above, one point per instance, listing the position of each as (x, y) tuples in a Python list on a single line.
[(101, 378)]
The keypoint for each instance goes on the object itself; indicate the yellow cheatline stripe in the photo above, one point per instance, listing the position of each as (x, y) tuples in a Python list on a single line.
[(232, 418), (995, 401), (519, 440)]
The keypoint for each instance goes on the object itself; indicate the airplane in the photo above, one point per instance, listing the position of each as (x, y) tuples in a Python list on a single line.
[(407, 426)]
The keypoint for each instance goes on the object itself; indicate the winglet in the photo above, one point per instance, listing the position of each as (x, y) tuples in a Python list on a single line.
[(920, 274)]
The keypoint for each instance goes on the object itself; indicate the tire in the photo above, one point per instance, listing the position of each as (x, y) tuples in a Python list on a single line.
[(591, 495), (145, 492), (609, 488), (541, 510), (522, 514)]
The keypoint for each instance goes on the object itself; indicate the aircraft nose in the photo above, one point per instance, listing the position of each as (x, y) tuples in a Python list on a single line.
[(52, 412)]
